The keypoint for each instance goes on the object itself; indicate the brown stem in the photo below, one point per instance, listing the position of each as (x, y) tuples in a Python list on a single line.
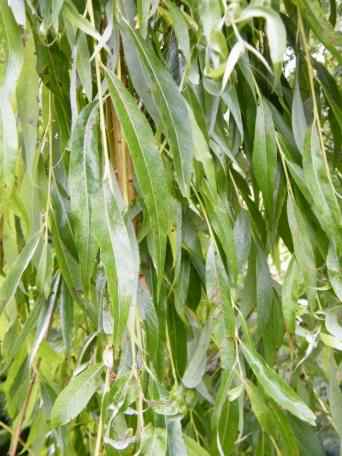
[(119, 153), (15, 440)]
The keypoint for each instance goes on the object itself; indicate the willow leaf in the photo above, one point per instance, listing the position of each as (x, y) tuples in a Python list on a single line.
[(181, 30), (276, 388), (148, 166), (76, 395), (272, 421), (198, 361), (265, 154), (12, 280), (320, 26), (324, 200), (334, 264), (8, 127), (164, 101), (291, 290), (275, 30), (83, 181), (303, 248), (118, 252)]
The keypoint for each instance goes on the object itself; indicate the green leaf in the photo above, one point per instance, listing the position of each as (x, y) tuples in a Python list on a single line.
[(175, 440), (12, 280), (275, 30), (318, 180), (27, 329), (272, 421), (71, 14), (334, 266), (299, 123), (84, 66), (143, 10), (218, 291), (335, 396), (265, 154), (66, 316), (209, 14), (84, 180), (45, 319), (66, 263), (76, 395), (198, 360), (181, 30), (302, 246), (276, 388), (193, 448), (309, 442), (290, 292), (28, 102), (315, 17), (148, 167), (332, 321), (8, 128), (163, 100), (154, 442), (264, 292), (119, 254)]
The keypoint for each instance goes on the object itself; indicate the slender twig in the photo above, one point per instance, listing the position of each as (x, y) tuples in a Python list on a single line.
[(22, 416), (99, 437), (21, 441)]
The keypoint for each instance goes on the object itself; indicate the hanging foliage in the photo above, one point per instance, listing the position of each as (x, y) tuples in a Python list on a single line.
[(170, 227)]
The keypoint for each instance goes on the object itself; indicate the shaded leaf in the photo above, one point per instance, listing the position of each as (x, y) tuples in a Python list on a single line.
[(276, 388), (76, 395)]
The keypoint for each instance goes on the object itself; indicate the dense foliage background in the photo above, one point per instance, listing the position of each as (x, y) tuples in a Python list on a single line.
[(170, 227)]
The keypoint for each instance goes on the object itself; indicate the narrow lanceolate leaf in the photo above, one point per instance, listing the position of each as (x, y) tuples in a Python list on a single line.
[(272, 420), (148, 167), (154, 442), (198, 361), (265, 154), (8, 127), (291, 290), (84, 66), (181, 30), (299, 124), (28, 102), (264, 292), (12, 280), (334, 264), (303, 248), (276, 388), (218, 292), (144, 11), (316, 175), (332, 321), (335, 396), (175, 440), (209, 14), (76, 20), (275, 30), (163, 100), (45, 320), (119, 254), (83, 182), (76, 395)]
